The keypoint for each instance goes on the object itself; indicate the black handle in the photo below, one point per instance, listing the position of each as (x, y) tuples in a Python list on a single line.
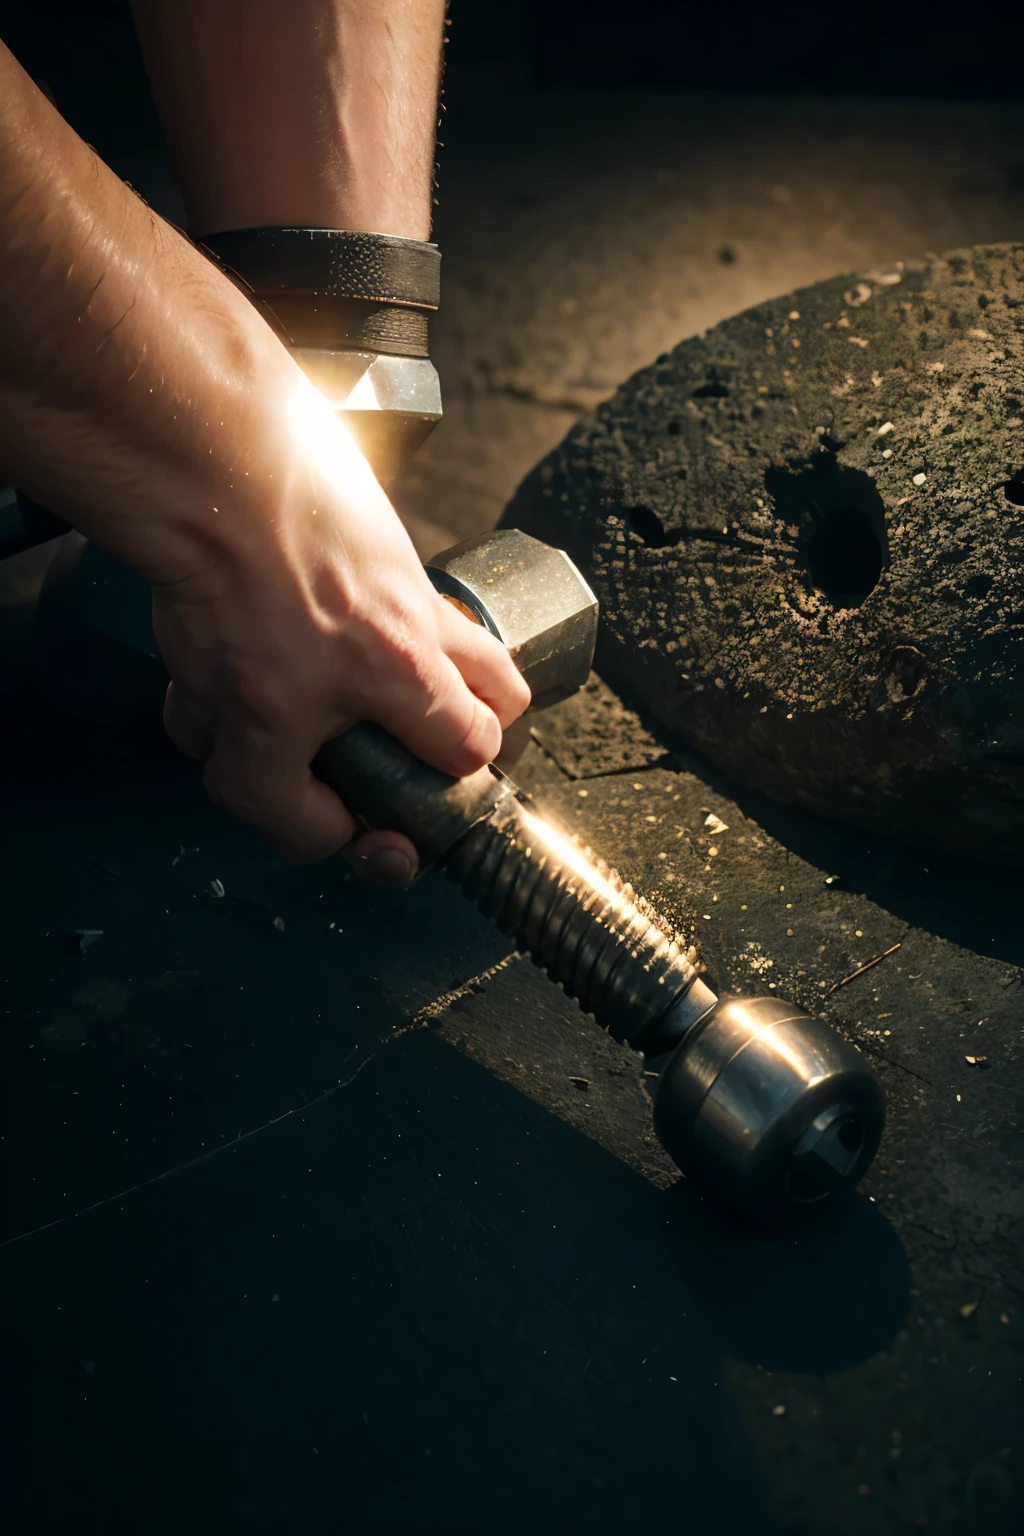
[(388, 786)]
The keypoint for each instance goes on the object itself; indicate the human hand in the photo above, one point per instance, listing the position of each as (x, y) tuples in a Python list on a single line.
[(144, 399), (316, 614)]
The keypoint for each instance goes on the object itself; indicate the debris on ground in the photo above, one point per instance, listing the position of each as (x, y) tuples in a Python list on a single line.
[(870, 964)]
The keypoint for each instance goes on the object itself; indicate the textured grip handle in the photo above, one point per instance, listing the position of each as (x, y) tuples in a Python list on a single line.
[(576, 917), (388, 786)]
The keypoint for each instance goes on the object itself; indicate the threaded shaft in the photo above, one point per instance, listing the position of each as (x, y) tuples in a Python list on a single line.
[(575, 916)]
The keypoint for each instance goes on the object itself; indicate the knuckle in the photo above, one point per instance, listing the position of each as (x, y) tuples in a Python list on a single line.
[(412, 657), (519, 689), (248, 799), (260, 698), (415, 671), (482, 737), (400, 659)]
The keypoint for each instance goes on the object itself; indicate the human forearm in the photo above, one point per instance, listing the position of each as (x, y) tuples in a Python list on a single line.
[(318, 112), (126, 360)]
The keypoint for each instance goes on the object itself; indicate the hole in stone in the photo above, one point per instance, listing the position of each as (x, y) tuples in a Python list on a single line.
[(840, 520), (713, 390), (648, 526), (1013, 490), (906, 674), (979, 586)]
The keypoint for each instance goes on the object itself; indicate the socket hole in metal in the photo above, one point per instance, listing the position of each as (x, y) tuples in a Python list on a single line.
[(850, 1135)]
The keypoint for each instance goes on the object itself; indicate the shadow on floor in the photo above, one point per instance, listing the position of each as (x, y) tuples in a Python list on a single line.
[(419, 1304), (817, 1296), (974, 905), (426, 1306)]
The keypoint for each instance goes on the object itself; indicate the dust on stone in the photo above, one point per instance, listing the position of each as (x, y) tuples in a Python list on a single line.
[(770, 590)]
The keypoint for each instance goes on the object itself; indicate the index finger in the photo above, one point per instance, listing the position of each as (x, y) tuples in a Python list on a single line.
[(441, 720)]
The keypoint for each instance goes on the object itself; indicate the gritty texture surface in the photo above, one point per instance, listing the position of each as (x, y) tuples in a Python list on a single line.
[(596, 734), (806, 532)]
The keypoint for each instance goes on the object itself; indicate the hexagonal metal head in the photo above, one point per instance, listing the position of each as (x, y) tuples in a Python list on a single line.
[(389, 404), (533, 598)]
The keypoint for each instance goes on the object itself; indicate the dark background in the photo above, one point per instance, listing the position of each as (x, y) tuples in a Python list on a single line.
[(86, 51), (907, 50)]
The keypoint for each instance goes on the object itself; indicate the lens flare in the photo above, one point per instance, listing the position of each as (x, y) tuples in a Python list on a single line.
[(328, 447), (571, 855)]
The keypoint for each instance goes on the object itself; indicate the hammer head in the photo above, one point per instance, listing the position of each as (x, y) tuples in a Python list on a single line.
[(533, 599), (389, 404)]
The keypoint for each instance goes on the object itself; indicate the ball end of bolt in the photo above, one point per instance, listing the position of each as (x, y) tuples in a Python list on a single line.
[(768, 1106)]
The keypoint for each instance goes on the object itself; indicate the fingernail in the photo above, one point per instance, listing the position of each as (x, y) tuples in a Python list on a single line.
[(388, 866)]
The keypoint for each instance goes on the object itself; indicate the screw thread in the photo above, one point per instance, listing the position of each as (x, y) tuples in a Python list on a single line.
[(575, 916)]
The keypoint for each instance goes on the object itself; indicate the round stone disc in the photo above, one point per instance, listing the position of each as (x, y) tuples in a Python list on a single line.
[(806, 532)]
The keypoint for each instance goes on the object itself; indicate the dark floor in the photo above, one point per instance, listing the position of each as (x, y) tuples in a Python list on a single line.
[(308, 1228)]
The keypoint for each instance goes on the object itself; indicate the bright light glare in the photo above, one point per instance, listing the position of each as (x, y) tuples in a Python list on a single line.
[(768, 1036), (328, 447), (570, 854)]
